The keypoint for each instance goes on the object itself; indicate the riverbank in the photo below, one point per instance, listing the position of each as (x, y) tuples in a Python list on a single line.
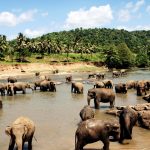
[(24, 70)]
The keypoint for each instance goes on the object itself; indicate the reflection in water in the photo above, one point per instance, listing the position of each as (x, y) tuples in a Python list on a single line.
[(56, 115)]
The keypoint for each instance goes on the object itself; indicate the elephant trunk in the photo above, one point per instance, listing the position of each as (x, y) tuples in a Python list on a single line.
[(19, 143)]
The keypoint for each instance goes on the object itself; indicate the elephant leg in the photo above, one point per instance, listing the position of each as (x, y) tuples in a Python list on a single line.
[(111, 104), (106, 144), (24, 91), (11, 144), (121, 134), (96, 103), (30, 143), (14, 91), (80, 145)]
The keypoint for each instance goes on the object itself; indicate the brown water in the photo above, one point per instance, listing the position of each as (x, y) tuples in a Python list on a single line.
[(56, 115)]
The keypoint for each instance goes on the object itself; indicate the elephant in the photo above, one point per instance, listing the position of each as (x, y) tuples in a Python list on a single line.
[(47, 85), (108, 83), (100, 76), (86, 113), (68, 78), (37, 83), (9, 89), (77, 87), (123, 72), (115, 74), (121, 88), (91, 75), (12, 79), (44, 77), (141, 88), (147, 98), (101, 95), (99, 84), (21, 131), (131, 84), (93, 130), (18, 86), (127, 119), (144, 119), (147, 84), (2, 89)]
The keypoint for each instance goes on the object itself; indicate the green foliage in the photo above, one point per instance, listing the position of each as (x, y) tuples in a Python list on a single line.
[(117, 48), (142, 60), (126, 57)]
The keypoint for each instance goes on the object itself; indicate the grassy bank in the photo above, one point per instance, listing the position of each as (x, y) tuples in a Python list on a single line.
[(58, 58)]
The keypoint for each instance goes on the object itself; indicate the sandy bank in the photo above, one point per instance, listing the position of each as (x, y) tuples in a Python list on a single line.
[(23, 70)]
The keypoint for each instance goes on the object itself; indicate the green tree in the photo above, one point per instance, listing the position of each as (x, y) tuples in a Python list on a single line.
[(126, 58)]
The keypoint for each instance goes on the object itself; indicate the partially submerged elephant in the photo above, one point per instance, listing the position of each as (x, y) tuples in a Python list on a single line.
[(12, 79), (68, 78), (101, 95), (108, 83), (21, 131), (99, 84), (2, 89), (86, 113), (12, 88), (48, 85), (77, 87), (121, 88), (93, 130), (127, 119), (141, 88)]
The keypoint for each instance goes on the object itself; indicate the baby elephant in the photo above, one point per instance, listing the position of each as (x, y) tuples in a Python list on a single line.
[(21, 130), (87, 113)]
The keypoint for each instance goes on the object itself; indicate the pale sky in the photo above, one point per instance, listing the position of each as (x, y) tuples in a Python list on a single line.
[(37, 17)]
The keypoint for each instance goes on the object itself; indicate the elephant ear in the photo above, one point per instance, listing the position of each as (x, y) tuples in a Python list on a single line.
[(8, 130)]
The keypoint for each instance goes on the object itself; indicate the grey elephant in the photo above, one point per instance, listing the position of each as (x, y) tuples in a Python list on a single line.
[(116, 74), (108, 83), (77, 87), (2, 89), (99, 84), (18, 86), (12, 79), (21, 131), (131, 84), (38, 82), (141, 88), (100, 76), (93, 130), (127, 119), (101, 95), (86, 113), (121, 88), (47, 85), (68, 78)]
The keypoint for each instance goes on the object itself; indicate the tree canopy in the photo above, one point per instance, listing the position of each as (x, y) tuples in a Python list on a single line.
[(116, 48)]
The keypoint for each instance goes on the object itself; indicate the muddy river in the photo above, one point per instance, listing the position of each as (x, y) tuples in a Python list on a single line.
[(56, 115)]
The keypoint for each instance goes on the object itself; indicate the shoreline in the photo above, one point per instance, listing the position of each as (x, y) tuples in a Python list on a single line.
[(27, 70)]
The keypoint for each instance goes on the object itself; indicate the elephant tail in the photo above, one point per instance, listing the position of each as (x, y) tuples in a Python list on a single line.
[(35, 138), (75, 141)]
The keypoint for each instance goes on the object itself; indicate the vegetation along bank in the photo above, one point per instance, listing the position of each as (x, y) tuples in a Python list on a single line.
[(112, 47)]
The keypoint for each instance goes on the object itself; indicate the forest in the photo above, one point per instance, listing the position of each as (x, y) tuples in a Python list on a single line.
[(113, 47)]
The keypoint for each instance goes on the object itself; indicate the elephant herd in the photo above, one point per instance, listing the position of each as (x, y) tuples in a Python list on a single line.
[(89, 129)]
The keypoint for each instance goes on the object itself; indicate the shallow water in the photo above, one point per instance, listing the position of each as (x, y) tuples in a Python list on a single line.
[(56, 115)]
